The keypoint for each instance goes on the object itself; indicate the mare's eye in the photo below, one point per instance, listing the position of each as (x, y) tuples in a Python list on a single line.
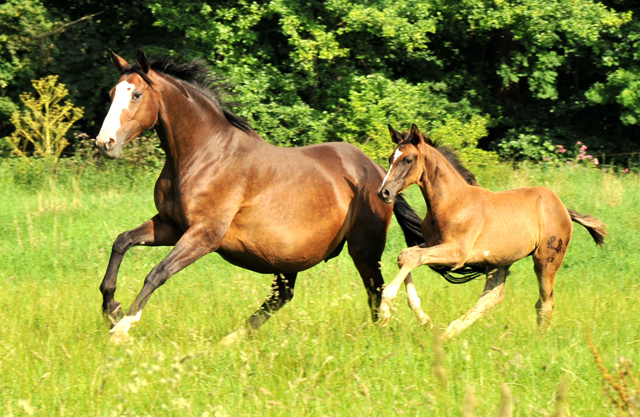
[(408, 160), (136, 95)]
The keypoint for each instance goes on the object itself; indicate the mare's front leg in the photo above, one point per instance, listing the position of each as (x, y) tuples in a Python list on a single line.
[(153, 232), (194, 244), (448, 254)]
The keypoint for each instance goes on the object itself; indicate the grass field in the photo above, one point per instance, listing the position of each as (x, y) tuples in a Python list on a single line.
[(320, 355)]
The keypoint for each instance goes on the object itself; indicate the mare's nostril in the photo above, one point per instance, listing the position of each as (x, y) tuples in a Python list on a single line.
[(111, 143), (384, 194)]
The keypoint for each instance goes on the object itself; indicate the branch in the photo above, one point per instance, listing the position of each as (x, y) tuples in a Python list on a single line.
[(61, 28)]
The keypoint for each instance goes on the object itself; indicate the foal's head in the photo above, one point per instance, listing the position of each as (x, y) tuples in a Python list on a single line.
[(411, 159), (405, 165), (134, 105)]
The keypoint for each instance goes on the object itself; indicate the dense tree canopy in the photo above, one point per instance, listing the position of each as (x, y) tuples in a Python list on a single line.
[(505, 74)]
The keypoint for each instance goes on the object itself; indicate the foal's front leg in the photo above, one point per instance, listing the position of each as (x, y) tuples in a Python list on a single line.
[(194, 244), (153, 232), (448, 254)]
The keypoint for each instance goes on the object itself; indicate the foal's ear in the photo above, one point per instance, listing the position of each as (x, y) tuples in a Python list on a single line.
[(143, 62), (396, 137), (118, 62), (415, 135)]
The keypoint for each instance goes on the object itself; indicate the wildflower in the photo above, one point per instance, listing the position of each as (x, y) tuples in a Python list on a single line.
[(595, 161), (626, 170)]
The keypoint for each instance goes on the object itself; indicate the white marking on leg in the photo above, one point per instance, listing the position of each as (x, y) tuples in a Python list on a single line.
[(396, 155), (414, 302), (111, 123), (120, 331), (486, 253)]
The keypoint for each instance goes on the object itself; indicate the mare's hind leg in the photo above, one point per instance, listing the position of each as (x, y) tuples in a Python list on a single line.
[(546, 262), (154, 232), (281, 293), (492, 295)]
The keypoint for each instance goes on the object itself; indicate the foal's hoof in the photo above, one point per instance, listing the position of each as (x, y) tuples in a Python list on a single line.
[(424, 320), (384, 315)]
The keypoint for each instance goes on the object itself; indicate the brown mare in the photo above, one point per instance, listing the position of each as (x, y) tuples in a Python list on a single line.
[(224, 189), (474, 230)]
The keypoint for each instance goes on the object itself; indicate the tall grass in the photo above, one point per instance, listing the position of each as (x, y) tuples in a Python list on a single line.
[(320, 355)]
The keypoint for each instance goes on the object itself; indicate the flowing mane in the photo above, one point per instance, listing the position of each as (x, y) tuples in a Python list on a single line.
[(197, 74), (450, 155)]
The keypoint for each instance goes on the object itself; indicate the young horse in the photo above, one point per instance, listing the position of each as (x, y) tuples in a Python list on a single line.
[(224, 189), (470, 227)]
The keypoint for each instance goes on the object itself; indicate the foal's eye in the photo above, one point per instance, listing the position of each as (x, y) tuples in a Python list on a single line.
[(408, 160), (136, 95)]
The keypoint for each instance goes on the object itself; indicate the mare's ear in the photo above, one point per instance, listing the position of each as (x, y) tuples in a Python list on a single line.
[(143, 62), (396, 137), (118, 62), (415, 135)]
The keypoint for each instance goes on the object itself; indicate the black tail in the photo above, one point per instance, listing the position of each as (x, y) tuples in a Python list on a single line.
[(411, 223)]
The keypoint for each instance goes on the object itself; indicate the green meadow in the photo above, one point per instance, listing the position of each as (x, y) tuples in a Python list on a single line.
[(319, 356)]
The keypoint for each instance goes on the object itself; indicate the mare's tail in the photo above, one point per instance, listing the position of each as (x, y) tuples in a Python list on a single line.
[(595, 227), (411, 223)]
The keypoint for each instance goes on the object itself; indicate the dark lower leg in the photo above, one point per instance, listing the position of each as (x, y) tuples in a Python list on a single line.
[(281, 293), (151, 233)]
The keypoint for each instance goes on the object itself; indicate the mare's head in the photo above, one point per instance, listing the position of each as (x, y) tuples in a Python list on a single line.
[(134, 105), (405, 164)]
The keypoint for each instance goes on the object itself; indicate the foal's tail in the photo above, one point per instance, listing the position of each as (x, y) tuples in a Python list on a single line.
[(595, 227), (411, 223)]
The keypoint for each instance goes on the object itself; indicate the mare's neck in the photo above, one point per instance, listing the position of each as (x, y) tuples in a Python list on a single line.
[(440, 183), (193, 128)]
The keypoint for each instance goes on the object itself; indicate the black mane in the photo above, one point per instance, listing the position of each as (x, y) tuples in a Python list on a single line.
[(451, 156), (197, 74)]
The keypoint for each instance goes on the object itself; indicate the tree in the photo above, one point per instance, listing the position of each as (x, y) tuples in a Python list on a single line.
[(45, 122)]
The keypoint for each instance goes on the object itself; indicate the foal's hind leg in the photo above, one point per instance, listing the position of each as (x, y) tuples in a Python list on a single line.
[(154, 232), (546, 262), (492, 295), (281, 293)]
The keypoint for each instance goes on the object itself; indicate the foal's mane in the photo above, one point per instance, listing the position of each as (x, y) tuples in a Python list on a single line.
[(450, 155), (198, 75)]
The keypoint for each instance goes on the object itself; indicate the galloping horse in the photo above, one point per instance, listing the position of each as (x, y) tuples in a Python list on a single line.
[(225, 189), (474, 230)]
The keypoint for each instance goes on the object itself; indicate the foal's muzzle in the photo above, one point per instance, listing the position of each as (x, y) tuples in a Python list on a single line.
[(385, 195)]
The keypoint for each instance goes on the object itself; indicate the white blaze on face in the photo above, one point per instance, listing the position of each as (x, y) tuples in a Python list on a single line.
[(396, 155), (121, 101)]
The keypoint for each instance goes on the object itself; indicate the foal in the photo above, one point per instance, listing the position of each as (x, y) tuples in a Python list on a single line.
[(471, 229)]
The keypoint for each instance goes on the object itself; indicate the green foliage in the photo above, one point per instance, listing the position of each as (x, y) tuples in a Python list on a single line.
[(46, 121), (316, 71), (21, 22)]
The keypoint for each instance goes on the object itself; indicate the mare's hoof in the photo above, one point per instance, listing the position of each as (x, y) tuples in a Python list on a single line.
[(119, 337), (114, 316), (234, 337)]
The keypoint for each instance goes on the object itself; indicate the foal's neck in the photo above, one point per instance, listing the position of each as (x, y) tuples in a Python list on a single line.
[(440, 183)]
